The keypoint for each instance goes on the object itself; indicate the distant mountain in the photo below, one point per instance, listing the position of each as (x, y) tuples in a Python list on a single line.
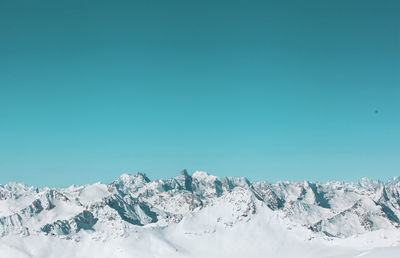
[(200, 206)]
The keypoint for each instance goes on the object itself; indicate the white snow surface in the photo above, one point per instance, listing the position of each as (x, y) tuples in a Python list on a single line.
[(201, 215)]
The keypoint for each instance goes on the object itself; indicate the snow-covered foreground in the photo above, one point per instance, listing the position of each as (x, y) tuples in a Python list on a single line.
[(201, 215), (255, 239)]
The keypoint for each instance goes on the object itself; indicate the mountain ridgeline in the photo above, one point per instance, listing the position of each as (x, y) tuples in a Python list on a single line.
[(325, 210)]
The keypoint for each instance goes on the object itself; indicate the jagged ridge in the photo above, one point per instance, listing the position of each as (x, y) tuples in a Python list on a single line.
[(333, 209)]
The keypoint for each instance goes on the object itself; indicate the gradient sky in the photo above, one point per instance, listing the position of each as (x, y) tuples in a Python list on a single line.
[(270, 90)]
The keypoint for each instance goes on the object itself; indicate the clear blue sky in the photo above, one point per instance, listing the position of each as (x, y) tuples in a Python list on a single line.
[(270, 90)]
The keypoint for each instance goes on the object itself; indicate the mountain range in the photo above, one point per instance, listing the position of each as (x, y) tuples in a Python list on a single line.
[(201, 215)]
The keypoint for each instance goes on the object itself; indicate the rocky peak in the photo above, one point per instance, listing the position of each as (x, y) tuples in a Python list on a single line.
[(185, 180)]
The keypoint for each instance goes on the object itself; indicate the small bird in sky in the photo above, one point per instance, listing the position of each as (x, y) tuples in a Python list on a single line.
[(376, 111)]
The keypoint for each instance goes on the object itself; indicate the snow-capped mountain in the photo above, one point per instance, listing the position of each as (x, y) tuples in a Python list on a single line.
[(228, 215)]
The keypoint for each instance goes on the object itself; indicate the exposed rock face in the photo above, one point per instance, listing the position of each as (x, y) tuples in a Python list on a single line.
[(84, 220)]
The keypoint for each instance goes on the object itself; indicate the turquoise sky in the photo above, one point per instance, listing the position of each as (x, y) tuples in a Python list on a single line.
[(270, 90)]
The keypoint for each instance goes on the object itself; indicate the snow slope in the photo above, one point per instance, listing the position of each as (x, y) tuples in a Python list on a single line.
[(201, 215)]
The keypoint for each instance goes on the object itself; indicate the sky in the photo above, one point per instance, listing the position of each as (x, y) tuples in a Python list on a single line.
[(269, 90)]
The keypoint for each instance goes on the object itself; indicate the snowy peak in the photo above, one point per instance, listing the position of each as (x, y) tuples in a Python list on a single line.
[(185, 180), (129, 179), (15, 190)]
